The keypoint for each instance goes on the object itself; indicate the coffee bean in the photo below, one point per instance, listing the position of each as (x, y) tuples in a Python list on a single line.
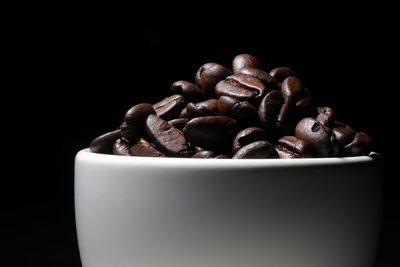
[(193, 111), (247, 136), (242, 87), (167, 138), (305, 107), (170, 107), (183, 113), (316, 137), (178, 123), (210, 104), (326, 116), (281, 73), (238, 110), (121, 148), (270, 82), (285, 153), (293, 144), (221, 157), (130, 134), (201, 109), (344, 133), (361, 145), (208, 75), (211, 132), (105, 142), (137, 115), (144, 149), (133, 126), (257, 150), (337, 149), (189, 91), (198, 149), (277, 114), (205, 154), (244, 60), (292, 87)]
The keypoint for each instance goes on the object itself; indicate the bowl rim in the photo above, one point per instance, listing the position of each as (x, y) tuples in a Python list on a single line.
[(107, 159)]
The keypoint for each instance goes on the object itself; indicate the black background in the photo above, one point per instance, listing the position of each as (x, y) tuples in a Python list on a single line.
[(75, 69)]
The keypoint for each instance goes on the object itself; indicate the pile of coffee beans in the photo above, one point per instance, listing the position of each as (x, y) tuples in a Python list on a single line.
[(241, 113)]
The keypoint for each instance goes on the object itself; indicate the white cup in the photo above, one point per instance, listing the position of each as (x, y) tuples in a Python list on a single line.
[(174, 212)]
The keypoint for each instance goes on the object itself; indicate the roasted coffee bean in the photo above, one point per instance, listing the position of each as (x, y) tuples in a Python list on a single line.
[(170, 107), (130, 134), (277, 114), (361, 145), (326, 116), (208, 75), (194, 111), (244, 60), (202, 109), (211, 104), (247, 136), (105, 142), (293, 144), (205, 154), (144, 149), (292, 87), (285, 153), (121, 148), (133, 126), (270, 82), (344, 133), (305, 107), (257, 150), (211, 132), (183, 113), (281, 73), (316, 137), (221, 157), (167, 138), (198, 149), (238, 110), (189, 91), (178, 123), (138, 114), (216, 151), (337, 149), (241, 86)]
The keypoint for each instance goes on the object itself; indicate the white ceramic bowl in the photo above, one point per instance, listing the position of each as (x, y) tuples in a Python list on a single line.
[(173, 212)]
